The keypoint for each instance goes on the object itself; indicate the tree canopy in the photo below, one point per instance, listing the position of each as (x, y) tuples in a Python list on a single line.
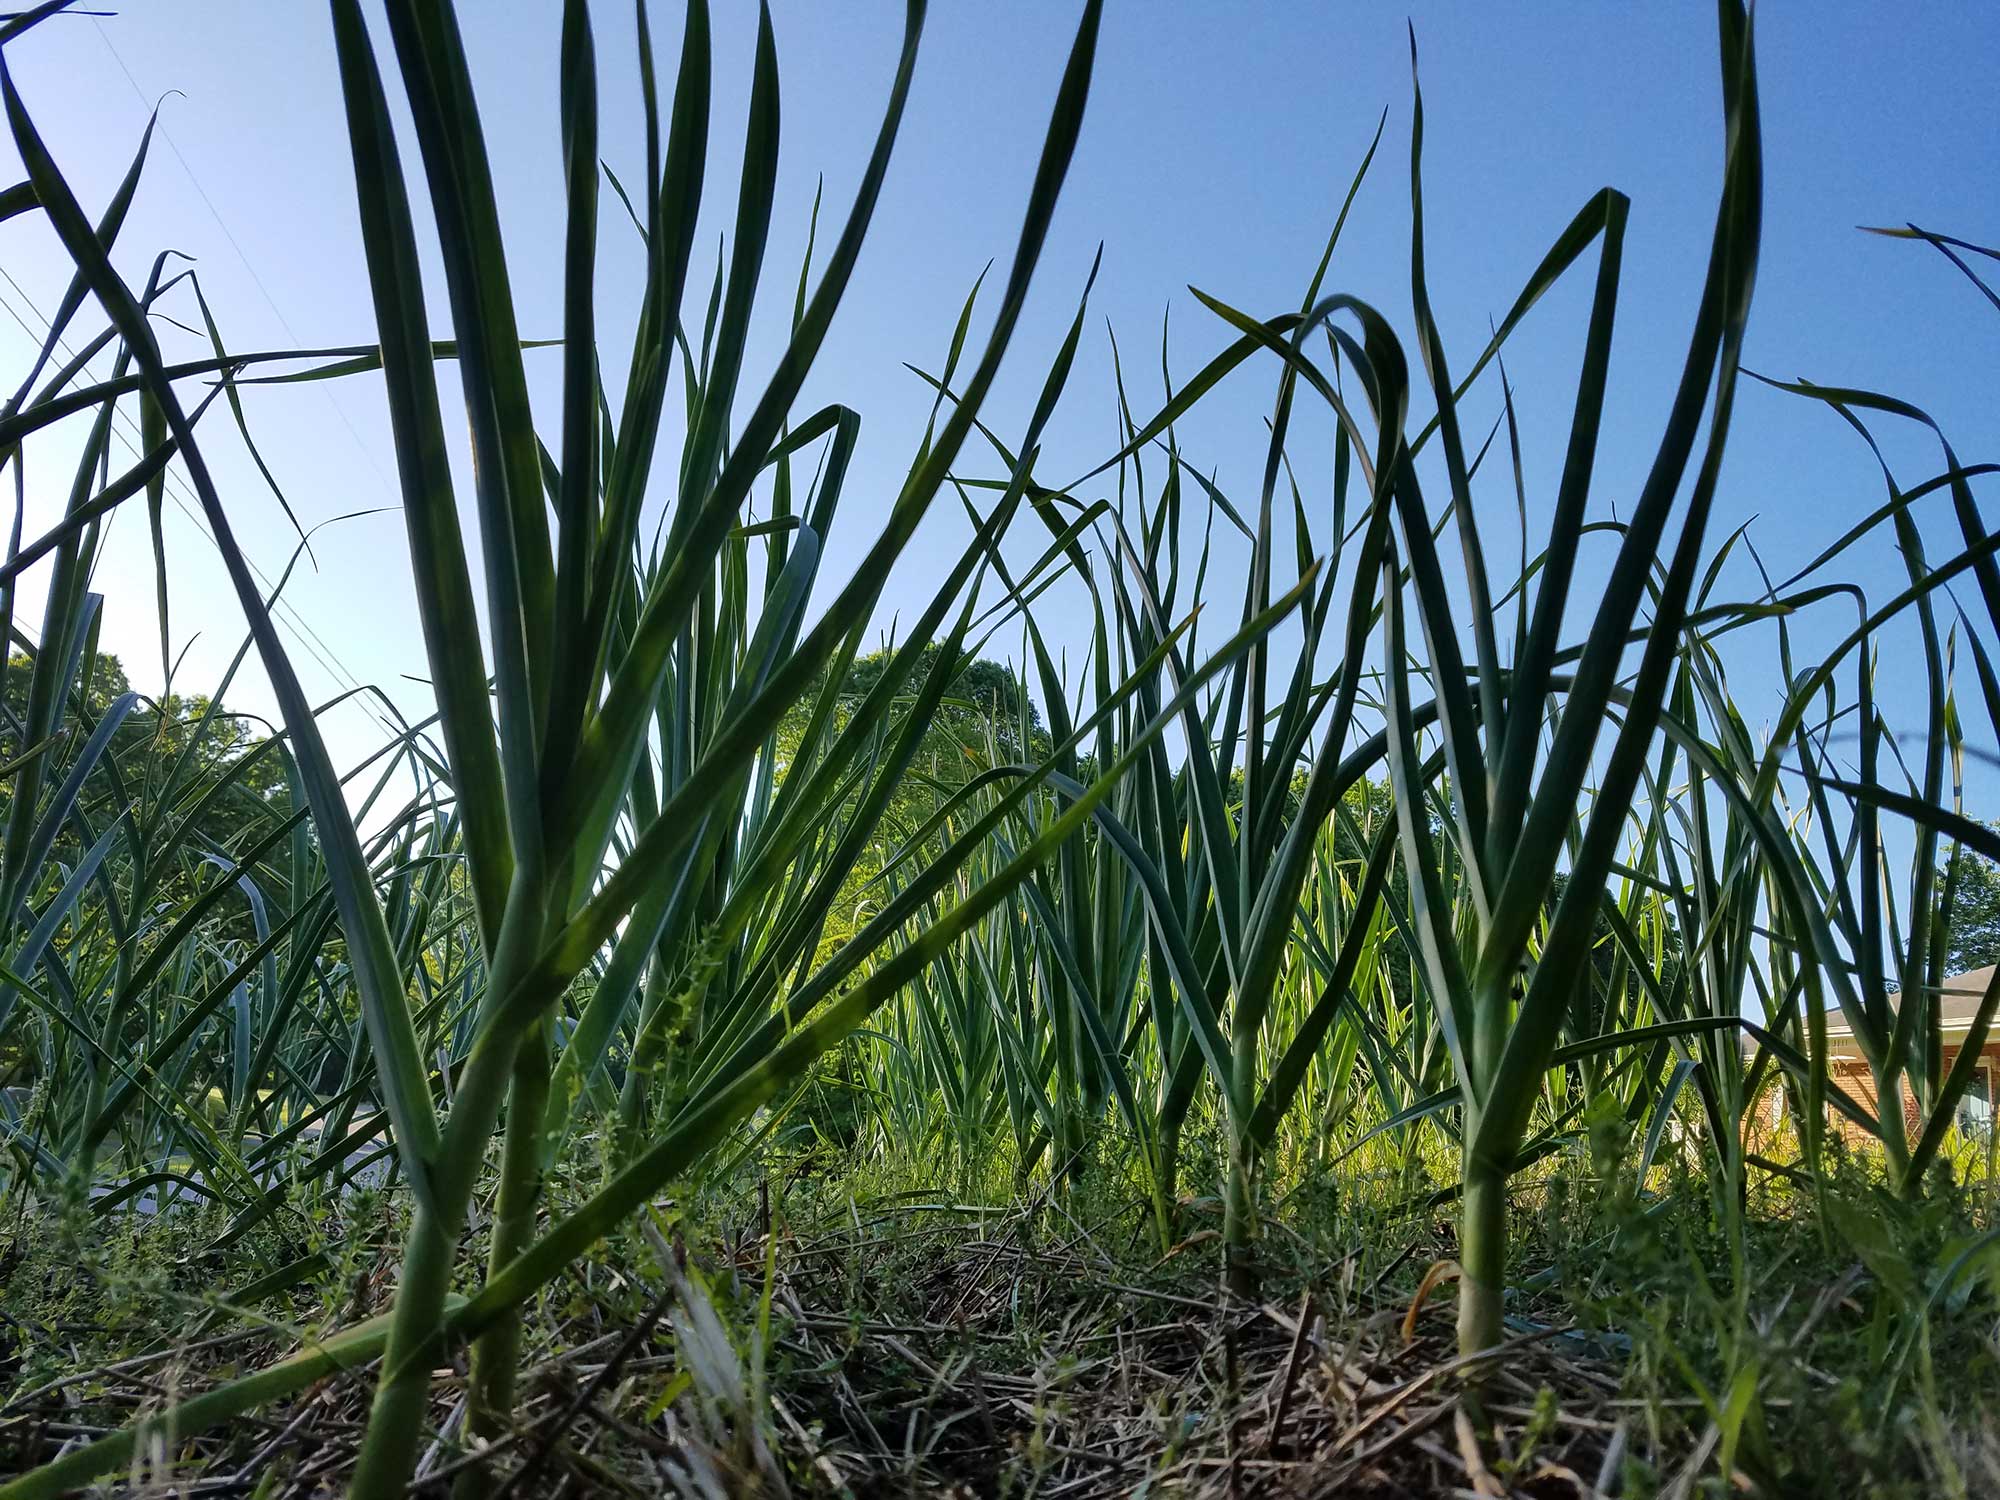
[(1972, 939)]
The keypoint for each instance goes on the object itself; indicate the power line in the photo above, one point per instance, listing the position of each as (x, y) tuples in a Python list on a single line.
[(318, 648), (178, 491), (242, 255), (281, 609)]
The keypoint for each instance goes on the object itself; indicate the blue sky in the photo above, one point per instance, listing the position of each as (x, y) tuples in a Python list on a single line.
[(1219, 142)]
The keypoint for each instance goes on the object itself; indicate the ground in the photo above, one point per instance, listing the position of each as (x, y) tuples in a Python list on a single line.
[(906, 1343)]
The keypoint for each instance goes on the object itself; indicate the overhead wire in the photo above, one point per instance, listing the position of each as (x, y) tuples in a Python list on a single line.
[(184, 499), (302, 632)]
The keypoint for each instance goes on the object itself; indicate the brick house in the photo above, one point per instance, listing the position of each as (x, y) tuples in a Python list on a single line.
[(1959, 1001)]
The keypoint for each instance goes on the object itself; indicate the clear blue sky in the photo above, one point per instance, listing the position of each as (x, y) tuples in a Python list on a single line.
[(1219, 141)]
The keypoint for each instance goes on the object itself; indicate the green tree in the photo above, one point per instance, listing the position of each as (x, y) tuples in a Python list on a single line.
[(1972, 933), (162, 749), (980, 724)]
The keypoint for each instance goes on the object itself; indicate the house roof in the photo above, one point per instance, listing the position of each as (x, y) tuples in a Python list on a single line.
[(1958, 1004)]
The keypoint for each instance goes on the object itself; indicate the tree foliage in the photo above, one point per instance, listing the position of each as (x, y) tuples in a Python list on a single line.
[(1972, 934)]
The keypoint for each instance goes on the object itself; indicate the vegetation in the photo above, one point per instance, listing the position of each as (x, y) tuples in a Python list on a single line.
[(1403, 920), (1972, 933)]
